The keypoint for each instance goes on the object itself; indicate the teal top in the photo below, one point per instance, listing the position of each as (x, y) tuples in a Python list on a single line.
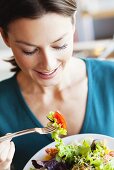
[(99, 116), (15, 115)]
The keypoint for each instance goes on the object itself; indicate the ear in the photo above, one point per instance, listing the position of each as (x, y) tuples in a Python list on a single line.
[(4, 37)]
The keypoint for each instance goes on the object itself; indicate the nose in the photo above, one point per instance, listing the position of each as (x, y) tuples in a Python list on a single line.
[(48, 60)]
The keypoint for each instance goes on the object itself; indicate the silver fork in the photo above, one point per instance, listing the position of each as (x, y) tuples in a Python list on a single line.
[(45, 130)]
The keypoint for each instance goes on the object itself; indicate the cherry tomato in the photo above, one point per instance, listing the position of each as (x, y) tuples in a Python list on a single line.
[(111, 153), (60, 119)]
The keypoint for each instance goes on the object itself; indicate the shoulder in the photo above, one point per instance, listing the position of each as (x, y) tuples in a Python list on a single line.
[(101, 74), (6, 83), (7, 87), (100, 66)]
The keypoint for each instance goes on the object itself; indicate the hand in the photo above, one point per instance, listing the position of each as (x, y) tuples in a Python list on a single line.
[(7, 150)]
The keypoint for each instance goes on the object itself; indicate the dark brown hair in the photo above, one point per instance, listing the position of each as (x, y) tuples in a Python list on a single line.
[(11, 10)]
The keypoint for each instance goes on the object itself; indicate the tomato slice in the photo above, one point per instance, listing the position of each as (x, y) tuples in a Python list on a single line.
[(60, 119)]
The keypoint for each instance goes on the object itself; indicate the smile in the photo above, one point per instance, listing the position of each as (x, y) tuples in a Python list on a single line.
[(48, 75)]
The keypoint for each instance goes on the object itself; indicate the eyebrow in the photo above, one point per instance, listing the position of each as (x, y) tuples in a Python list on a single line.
[(33, 45), (60, 38), (25, 43)]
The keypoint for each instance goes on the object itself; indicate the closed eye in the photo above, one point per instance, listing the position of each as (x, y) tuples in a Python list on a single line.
[(30, 52), (61, 47), (37, 50)]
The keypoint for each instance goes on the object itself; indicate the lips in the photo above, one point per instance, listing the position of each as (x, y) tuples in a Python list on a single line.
[(47, 75)]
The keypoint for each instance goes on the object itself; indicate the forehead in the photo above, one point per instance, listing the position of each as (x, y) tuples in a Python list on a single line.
[(48, 27)]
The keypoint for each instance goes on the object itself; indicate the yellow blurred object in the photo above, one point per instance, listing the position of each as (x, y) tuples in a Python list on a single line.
[(97, 48)]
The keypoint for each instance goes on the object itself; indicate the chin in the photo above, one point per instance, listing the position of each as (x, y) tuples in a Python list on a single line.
[(48, 83)]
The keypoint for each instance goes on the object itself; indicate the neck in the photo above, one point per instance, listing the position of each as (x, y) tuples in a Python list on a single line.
[(72, 72)]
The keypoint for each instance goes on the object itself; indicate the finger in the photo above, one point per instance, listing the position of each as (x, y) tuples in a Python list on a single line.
[(11, 152), (4, 153), (8, 138), (4, 145), (7, 163)]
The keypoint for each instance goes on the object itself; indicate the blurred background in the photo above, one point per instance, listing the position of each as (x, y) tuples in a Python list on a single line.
[(93, 37)]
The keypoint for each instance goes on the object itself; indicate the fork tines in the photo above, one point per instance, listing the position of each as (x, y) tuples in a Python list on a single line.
[(50, 129)]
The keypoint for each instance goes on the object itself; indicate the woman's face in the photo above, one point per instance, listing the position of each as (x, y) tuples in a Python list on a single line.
[(42, 47)]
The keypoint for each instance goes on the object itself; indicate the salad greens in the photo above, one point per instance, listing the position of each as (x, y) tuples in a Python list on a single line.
[(86, 155), (83, 156)]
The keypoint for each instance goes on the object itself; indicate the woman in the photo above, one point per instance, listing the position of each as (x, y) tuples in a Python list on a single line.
[(40, 34)]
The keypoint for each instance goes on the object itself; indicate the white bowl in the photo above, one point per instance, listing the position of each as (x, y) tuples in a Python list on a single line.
[(41, 154)]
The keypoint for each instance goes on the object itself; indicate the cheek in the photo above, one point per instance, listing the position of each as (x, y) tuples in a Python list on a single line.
[(24, 62), (68, 54)]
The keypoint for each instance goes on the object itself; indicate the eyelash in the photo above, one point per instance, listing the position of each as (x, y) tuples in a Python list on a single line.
[(30, 52), (34, 51), (62, 47)]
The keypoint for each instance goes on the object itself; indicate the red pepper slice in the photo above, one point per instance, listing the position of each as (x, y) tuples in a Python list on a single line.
[(60, 119)]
